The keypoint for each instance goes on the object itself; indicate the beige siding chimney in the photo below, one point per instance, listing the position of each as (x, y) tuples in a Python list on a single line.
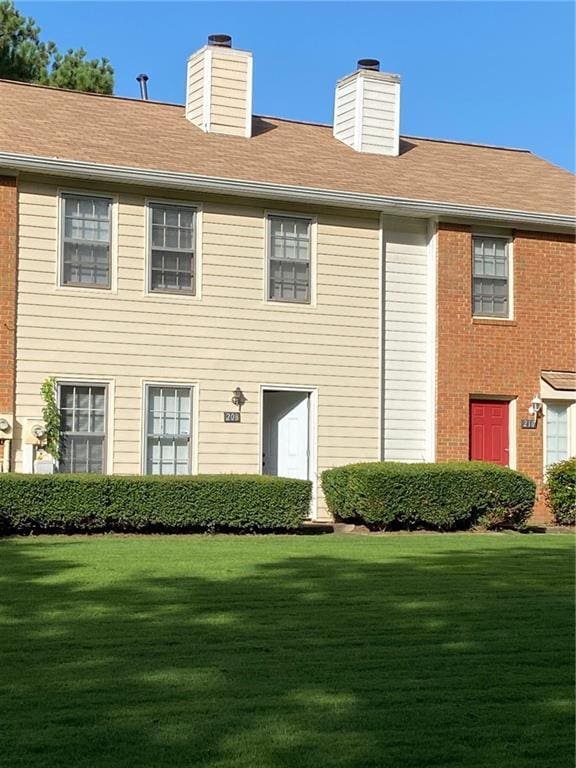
[(367, 110), (219, 88)]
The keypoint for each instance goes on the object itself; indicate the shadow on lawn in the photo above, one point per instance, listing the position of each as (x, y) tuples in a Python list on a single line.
[(454, 659)]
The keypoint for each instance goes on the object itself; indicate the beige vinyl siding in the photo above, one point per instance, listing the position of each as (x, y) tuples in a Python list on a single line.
[(406, 364), (379, 120), (230, 337), (195, 91), (345, 118), (229, 101)]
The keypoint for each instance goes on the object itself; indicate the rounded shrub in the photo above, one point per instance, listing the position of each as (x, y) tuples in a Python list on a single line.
[(97, 503), (446, 496), (561, 491)]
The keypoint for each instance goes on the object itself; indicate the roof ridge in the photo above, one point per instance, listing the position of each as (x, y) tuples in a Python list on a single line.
[(73, 92), (467, 143)]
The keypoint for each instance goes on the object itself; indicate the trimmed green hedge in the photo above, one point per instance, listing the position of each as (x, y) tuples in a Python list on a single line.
[(561, 491), (96, 503), (443, 496)]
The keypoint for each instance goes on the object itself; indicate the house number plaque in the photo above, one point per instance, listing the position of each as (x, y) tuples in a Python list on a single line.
[(528, 423), (231, 417)]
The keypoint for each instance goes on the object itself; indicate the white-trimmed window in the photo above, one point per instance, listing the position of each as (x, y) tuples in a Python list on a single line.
[(168, 421), (86, 241), (557, 417), (82, 427), (490, 276), (172, 257), (289, 259)]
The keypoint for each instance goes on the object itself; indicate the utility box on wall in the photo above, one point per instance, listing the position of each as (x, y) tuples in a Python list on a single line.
[(33, 431)]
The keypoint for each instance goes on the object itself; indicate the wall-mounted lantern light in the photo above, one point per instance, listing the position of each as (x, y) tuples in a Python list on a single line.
[(535, 406), (238, 398)]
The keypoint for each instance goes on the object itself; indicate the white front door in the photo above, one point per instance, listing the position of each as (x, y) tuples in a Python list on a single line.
[(286, 427)]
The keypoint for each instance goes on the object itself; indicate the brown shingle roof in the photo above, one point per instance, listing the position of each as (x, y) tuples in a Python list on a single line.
[(49, 122)]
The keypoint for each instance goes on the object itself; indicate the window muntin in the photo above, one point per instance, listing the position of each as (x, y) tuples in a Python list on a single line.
[(556, 432), (289, 259), (490, 281), (82, 427), (86, 241), (172, 249), (168, 430)]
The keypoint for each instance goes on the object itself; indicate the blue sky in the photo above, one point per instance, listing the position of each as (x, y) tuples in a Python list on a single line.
[(494, 72)]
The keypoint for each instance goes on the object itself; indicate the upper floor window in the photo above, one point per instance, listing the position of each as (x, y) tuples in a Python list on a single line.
[(87, 236), (490, 276), (289, 259), (172, 249)]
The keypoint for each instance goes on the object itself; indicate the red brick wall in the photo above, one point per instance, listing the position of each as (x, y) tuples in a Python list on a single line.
[(503, 357), (8, 258)]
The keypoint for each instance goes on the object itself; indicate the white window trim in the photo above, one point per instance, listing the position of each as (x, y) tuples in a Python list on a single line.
[(110, 385), (510, 251), (169, 296), (312, 435), (571, 419), (194, 386), (114, 209), (281, 303)]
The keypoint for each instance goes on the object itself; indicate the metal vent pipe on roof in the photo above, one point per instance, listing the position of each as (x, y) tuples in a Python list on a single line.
[(143, 80), (372, 64), (223, 41)]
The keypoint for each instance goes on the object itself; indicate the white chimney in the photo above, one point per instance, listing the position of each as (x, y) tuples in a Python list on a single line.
[(219, 88), (367, 110)]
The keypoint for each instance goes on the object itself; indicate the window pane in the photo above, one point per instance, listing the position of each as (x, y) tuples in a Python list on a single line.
[(158, 236), (171, 236), (171, 217), (186, 218)]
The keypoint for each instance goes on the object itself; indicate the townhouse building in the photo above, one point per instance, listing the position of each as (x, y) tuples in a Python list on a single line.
[(215, 291)]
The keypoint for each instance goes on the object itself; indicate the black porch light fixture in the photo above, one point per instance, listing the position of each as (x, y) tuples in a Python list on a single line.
[(238, 398)]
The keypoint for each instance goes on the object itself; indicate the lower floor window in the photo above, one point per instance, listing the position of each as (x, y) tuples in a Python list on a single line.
[(168, 430), (82, 427), (557, 446)]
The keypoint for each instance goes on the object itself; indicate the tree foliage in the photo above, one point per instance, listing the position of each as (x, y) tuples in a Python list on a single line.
[(26, 58)]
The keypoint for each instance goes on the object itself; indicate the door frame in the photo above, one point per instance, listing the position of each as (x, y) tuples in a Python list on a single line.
[(312, 393), (512, 429)]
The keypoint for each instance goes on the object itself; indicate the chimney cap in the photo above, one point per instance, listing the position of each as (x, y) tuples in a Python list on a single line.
[(142, 78), (222, 41), (370, 64)]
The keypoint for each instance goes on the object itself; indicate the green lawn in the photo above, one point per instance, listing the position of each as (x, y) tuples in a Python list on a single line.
[(283, 652)]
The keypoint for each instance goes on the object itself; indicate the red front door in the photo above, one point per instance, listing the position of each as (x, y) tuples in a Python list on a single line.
[(489, 431)]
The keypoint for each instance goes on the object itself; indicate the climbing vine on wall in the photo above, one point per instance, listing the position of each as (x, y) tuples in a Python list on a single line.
[(51, 416)]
